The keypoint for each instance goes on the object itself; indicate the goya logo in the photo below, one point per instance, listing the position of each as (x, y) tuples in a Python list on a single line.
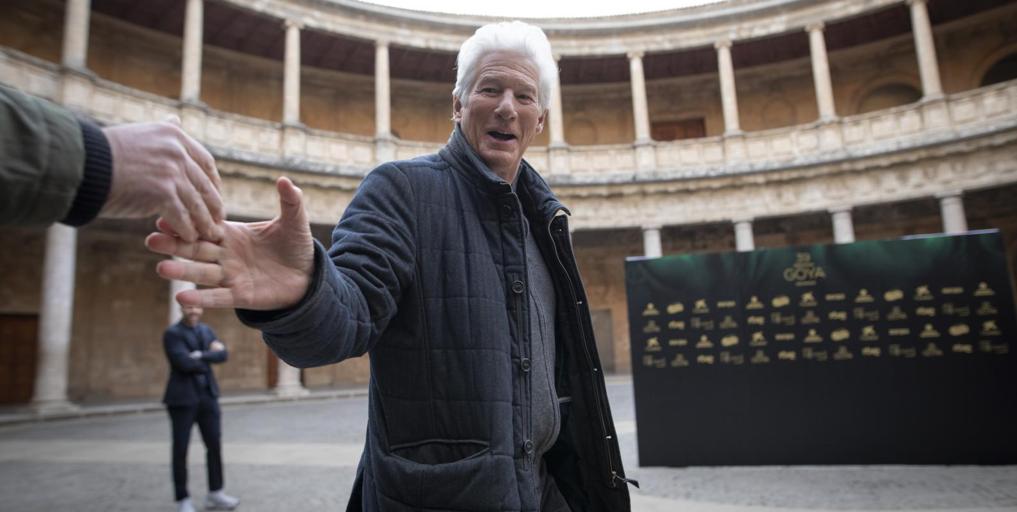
[(804, 272)]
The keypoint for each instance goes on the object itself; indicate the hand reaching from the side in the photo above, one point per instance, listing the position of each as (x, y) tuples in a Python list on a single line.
[(263, 265)]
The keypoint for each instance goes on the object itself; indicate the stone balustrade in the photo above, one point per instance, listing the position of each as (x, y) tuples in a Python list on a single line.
[(912, 127)]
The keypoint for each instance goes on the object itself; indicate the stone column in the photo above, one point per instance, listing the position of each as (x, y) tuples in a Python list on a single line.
[(291, 74), (821, 72), (640, 112), (557, 127), (951, 206), (55, 317), (175, 312), (743, 235), (925, 47), (728, 93), (384, 147), (843, 227), (288, 381), (75, 46), (190, 80), (558, 148), (651, 242)]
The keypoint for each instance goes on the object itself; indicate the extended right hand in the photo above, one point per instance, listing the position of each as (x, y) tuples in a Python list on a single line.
[(263, 265)]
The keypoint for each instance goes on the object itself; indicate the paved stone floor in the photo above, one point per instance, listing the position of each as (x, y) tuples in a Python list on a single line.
[(301, 456)]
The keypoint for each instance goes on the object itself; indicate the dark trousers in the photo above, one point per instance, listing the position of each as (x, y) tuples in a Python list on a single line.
[(206, 414)]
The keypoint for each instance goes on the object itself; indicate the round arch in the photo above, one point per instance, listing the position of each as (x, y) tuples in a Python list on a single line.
[(1002, 63), (887, 92)]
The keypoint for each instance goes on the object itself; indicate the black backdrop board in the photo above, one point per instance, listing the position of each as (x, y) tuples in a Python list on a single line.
[(876, 352)]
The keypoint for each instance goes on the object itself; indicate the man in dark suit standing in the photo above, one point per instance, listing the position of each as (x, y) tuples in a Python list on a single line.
[(192, 397)]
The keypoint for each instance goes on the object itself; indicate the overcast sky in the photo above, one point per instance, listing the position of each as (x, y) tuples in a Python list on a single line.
[(540, 8)]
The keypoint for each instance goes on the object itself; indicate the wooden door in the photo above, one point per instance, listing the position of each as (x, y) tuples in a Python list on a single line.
[(18, 357)]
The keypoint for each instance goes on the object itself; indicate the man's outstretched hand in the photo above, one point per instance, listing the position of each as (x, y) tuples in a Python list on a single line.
[(263, 265)]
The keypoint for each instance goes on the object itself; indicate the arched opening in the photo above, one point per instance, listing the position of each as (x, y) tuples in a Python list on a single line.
[(888, 96), (1004, 69)]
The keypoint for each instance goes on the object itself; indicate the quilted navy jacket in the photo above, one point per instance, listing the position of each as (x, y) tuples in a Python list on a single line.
[(427, 274)]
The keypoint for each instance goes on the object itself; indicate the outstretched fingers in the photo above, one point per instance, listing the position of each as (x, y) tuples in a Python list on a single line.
[(169, 245), (206, 274), (208, 298)]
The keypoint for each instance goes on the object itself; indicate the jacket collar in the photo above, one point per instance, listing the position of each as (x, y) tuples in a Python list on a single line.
[(529, 184)]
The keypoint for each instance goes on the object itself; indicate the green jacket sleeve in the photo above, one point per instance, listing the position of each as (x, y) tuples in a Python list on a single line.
[(42, 159)]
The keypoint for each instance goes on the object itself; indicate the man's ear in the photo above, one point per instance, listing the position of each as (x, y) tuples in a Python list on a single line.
[(541, 120), (457, 109)]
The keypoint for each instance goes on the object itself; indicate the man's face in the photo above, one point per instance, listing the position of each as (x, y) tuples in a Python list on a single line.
[(192, 314), (502, 113)]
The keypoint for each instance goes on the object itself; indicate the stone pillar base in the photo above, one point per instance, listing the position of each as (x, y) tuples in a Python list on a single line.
[(290, 391), (53, 407)]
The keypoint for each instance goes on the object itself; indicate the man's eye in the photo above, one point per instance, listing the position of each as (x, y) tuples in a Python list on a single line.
[(488, 90)]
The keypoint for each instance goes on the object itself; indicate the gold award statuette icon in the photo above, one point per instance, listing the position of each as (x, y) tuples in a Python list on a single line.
[(983, 290), (704, 342), (989, 328), (728, 323), (808, 300), (780, 301), (863, 297), (932, 351), (700, 306), (651, 327), (729, 341), (843, 354), (650, 310), (675, 307), (813, 337), (869, 333), (754, 303), (922, 293), (893, 295), (758, 340), (759, 358), (928, 332), (840, 335), (896, 314), (679, 361), (810, 318), (652, 345)]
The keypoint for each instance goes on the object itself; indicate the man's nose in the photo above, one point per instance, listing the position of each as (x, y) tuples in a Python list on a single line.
[(506, 106)]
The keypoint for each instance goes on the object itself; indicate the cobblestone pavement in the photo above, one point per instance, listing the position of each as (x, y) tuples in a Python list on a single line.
[(301, 456)]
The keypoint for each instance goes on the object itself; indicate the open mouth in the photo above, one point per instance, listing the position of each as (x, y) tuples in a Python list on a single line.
[(501, 135)]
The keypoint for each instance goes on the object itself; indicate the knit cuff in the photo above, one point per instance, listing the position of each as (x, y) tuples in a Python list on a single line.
[(95, 179)]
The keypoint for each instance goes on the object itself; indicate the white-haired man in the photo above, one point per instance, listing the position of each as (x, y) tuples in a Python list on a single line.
[(455, 272)]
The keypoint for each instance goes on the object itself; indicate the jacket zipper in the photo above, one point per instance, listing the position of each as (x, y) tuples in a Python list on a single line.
[(589, 359)]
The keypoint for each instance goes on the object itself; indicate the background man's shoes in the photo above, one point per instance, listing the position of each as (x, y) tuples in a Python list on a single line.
[(185, 505), (218, 500)]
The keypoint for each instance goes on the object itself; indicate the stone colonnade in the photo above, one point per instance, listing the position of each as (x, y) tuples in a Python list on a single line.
[(59, 267), (951, 206)]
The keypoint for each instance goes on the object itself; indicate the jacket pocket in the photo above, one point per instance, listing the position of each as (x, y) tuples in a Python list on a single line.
[(440, 451), (443, 474)]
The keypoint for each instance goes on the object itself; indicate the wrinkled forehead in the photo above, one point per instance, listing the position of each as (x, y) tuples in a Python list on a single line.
[(507, 65)]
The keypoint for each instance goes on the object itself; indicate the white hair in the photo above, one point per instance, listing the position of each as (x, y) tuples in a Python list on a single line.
[(509, 36)]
